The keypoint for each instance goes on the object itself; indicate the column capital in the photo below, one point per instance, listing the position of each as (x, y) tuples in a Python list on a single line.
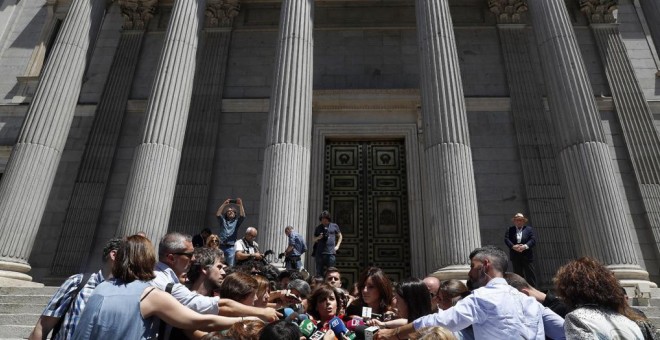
[(221, 13), (599, 11), (508, 11), (137, 13)]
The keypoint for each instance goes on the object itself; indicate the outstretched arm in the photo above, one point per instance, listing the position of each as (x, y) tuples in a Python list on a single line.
[(240, 207), (167, 308), (221, 208)]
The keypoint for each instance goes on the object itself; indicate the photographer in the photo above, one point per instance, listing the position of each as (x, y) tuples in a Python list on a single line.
[(327, 239), (229, 224), (246, 248), (296, 247)]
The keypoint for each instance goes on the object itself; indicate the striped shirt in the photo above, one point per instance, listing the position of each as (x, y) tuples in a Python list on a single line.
[(59, 302)]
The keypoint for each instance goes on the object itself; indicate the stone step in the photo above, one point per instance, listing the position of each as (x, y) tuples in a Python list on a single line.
[(19, 319), (19, 308), (15, 332), (50, 291), (26, 299), (650, 311)]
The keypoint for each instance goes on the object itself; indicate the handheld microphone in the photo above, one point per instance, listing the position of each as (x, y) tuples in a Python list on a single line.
[(339, 328), (286, 312), (302, 317), (365, 332), (354, 323), (293, 318), (317, 335), (307, 328)]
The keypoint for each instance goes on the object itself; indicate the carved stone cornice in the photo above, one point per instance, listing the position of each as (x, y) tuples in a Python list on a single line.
[(508, 11), (599, 11), (221, 13), (137, 13)]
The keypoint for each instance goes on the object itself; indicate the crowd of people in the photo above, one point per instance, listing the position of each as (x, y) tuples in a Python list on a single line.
[(191, 288)]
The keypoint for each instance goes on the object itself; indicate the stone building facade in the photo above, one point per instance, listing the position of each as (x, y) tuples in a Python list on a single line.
[(423, 126)]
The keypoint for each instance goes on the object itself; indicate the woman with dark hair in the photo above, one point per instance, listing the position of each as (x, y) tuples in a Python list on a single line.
[(375, 292), (281, 330), (412, 300), (323, 305), (239, 287), (450, 292), (600, 308), (127, 306)]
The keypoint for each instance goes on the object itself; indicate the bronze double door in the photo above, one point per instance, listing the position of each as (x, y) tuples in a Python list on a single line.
[(365, 189)]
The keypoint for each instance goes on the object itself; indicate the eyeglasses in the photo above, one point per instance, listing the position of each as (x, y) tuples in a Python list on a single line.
[(188, 255), (215, 241)]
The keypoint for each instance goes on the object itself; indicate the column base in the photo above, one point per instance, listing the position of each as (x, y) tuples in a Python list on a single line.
[(458, 272), (630, 276), (15, 270)]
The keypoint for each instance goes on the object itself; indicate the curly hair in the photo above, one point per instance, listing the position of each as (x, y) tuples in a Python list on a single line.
[(587, 281)]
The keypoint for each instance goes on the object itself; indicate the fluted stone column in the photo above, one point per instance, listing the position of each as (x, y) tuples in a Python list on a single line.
[(651, 10), (150, 191), (635, 116), (545, 198), (194, 180), (86, 203), (451, 210), (594, 197), (29, 175), (285, 176)]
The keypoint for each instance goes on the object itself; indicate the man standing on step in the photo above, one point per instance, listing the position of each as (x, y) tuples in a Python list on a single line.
[(67, 304)]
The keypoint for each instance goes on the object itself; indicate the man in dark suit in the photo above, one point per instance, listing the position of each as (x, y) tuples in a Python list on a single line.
[(520, 239)]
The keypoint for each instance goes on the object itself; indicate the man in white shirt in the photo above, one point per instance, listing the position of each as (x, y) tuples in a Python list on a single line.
[(494, 309), (175, 255), (247, 248)]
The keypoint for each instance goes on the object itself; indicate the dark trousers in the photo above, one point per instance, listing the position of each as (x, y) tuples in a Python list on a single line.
[(525, 268), (323, 261)]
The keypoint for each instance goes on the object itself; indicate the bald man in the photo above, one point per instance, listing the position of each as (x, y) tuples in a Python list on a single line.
[(246, 248), (433, 284)]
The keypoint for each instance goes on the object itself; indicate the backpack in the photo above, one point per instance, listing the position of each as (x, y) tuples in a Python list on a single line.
[(74, 297)]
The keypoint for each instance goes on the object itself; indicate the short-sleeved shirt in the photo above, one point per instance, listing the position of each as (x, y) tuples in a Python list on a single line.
[(327, 244), (58, 303), (244, 247), (297, 242), (229, 229)]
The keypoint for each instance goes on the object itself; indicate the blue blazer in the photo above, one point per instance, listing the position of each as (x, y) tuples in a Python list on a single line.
[(528, 238)]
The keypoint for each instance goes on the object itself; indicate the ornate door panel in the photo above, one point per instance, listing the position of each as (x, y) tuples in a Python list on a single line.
[(365, 191)]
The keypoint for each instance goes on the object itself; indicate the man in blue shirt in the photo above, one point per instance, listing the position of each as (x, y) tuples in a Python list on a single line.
[(229, 223), (494, 309), (327, 237), (296, 247)]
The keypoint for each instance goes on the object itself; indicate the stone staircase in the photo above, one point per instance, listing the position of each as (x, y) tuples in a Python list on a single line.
[(20, 308)]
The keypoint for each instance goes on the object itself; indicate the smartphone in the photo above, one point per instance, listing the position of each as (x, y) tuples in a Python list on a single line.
[(232, 201)]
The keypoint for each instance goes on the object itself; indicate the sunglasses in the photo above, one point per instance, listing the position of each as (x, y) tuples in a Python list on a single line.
[(188, 255)]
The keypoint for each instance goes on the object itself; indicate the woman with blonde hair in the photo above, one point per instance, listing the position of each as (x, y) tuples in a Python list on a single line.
[(127, 306), (213, 242)]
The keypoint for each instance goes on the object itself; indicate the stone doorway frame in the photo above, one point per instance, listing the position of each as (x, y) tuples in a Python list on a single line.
[(414, 169)]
